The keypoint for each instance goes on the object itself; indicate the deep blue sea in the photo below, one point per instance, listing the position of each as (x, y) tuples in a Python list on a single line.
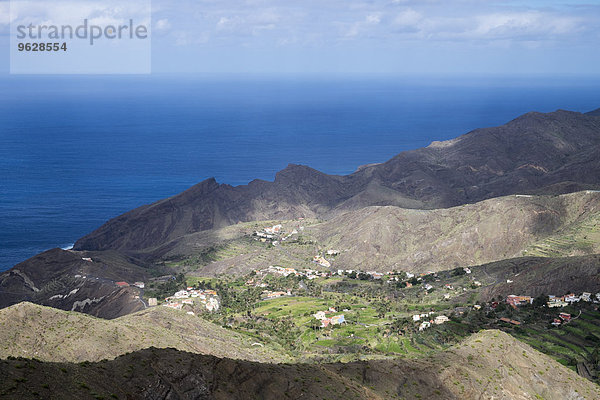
[(76, 151)]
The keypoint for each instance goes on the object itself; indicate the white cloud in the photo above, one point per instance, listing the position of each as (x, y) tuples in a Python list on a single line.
[(162, 25), (373, 19), (389, 22), (408, 17), (251, 23), (531, 24), (227, 23), (74, 12), (486, 25)]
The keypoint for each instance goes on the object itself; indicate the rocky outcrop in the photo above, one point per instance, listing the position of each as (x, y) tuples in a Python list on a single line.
[(75, 281)]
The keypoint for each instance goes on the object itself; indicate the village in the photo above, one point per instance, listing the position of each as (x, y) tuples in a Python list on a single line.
[(323, 310), (206, 299), (194, 298), (553, 302), (276, 234)]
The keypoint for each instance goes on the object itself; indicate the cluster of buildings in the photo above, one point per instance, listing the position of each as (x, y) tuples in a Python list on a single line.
[(427, 321), (418, 317), (140, 285), (274, 234), (554, 301), (563, 318), (306, 273), (267, 294), (515, 301), (256, 283), (393, 276), (207, 298), (268, 233), (322, 261), (274, 230), (510, 321), (327, 321)]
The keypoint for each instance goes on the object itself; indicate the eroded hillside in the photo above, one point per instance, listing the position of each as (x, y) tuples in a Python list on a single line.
[(392, 238)]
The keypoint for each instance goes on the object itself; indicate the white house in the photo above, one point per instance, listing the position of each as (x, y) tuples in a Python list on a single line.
[(424, 325), (320, 315), (571, 298), (585, 296)]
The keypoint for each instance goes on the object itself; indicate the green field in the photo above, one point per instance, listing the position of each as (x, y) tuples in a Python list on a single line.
[(379, 323)]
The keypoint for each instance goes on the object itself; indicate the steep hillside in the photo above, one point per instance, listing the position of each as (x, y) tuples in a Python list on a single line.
[(77, 281), (530, 276), (373, 238), (535, 153), (539, 276), (386, 238), (489, 365), (595, 113), (47, 334)]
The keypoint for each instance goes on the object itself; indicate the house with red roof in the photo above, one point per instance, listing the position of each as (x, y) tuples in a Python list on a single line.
[(564, 316)]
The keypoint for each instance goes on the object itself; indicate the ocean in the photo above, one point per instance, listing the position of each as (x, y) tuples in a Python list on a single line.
[(77, 151)]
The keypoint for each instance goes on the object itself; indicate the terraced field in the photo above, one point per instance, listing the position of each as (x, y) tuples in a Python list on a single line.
[(571, 344), (581, 238), (364, 327)]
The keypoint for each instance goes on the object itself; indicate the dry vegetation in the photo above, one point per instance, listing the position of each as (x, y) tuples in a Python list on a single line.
[(33, 331)]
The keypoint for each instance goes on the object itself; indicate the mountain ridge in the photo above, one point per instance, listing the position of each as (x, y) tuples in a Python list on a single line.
[(481, 367), (534, 153), (64, 336)]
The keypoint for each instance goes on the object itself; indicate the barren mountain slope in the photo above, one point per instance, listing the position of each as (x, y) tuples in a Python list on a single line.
[(48, 334), (540, 276), (387, 238)]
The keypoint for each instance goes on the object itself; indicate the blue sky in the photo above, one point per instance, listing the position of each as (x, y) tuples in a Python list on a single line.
[(387, 37)]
